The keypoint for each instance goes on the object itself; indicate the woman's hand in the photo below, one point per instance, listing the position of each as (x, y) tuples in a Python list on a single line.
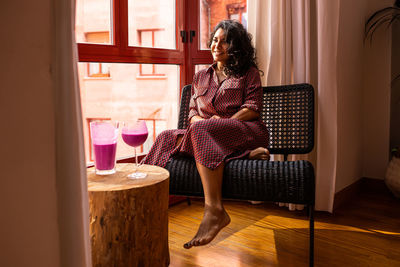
[(215, 117), (196, 118), (246, 114)]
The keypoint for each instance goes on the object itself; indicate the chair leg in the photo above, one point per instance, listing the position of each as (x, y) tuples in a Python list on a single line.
[(188, 201), (311, 249)]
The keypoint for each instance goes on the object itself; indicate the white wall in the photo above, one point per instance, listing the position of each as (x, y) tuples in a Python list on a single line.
[(395, 95), (363, 95), (376, 101), (350, 91), (28, 224)]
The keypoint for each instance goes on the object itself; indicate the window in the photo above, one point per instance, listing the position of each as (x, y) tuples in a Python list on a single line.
[(238, 12), (98, 70), (153, 17), (147, 38), (123, 97), (93, 21), (212, 12), (133, 61)]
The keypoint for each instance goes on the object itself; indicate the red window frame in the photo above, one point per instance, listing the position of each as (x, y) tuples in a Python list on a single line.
[(186, 55), (120, 52)]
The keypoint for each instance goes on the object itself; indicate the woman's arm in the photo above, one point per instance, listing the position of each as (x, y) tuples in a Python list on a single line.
[(250, 110), (195, 118), (246, 114)]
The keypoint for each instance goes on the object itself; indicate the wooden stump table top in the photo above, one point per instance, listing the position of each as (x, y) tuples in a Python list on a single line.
[(129, 217), (120, 181)]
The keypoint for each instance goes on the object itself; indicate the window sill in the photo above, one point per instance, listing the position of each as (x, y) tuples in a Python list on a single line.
[(151, 77), (88, 78)]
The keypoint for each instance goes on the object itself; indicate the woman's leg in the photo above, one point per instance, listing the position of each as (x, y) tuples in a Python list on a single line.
[(162, 148), (215, 217), (179, 140)]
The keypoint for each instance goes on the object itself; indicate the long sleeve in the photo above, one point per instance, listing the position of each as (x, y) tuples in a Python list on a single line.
[(193, 111), (253, 91)]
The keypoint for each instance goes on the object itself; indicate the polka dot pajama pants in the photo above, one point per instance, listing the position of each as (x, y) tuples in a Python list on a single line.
[(210, 142)]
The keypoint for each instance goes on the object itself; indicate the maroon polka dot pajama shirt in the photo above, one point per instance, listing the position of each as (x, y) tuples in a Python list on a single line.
[(213, 141)]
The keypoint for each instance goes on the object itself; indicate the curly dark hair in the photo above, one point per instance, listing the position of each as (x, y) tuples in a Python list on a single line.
[(241, 52)]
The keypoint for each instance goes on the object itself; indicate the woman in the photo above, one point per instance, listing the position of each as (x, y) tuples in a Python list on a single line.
[(224, 122)]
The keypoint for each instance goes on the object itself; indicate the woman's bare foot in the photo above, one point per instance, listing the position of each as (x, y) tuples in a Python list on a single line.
[(259, 153), (213, 221)]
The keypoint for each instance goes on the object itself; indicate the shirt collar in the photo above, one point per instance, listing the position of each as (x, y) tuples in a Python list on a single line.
[(212, 67)]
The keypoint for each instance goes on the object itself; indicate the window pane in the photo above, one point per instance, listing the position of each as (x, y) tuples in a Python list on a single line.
[(104, 69), (126, 95), (198, 68), (212, 12), (97, 70), (152, 23), (93, 21), (94, 68)]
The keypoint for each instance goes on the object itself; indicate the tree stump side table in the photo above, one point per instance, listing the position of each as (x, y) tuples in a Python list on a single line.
[(129, 218)]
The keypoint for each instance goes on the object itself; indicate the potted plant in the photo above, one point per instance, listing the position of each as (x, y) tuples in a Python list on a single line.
[(392, 177), (386, 17)]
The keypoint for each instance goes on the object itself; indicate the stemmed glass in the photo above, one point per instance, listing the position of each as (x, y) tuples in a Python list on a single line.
[(135, 134)]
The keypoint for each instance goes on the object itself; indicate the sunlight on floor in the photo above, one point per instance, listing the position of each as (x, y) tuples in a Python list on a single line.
[(384, 232)]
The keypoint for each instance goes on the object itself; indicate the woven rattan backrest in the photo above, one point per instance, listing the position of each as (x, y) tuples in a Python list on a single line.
[(183, 121), (288, 112)]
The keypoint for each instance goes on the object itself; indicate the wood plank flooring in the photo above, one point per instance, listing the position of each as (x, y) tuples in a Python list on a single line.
[(365, 232)]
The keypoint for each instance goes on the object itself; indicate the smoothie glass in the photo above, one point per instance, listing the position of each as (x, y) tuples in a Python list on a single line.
[(135, 134), (104, 136)]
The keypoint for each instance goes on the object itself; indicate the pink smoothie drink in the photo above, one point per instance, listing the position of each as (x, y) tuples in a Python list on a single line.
[(134, 139), (104, 136), (104, 156)]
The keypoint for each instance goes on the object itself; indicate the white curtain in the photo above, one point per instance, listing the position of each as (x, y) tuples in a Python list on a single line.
[(73, 215), (296, 42)]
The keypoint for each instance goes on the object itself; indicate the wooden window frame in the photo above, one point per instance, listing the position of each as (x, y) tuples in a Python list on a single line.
[(186, 55), (119, 50)]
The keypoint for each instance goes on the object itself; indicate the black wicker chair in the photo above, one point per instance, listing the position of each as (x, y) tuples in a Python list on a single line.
[(288, 112)]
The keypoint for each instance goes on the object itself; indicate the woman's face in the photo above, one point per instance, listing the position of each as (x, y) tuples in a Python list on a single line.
[(219, 47)]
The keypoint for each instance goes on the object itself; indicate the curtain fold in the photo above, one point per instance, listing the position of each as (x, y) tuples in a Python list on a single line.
[(283, 37), (327, 32), (71, 184)]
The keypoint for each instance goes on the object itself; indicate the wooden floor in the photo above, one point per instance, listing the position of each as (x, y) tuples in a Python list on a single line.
[(366, 232)]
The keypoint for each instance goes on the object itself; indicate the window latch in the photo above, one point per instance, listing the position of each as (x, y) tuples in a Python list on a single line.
[(192, 34), (184, 36)]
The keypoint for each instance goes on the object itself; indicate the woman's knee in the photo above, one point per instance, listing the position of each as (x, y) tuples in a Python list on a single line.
[(165, 134), (204, 125)]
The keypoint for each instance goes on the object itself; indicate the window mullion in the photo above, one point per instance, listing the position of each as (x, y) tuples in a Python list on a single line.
[(123, 24), (120, 24), (115, 20)]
